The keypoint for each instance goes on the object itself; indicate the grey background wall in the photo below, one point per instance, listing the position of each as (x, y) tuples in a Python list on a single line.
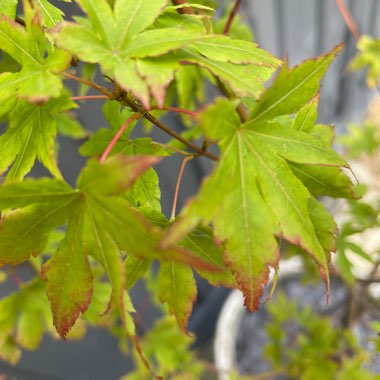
[(298, 29)]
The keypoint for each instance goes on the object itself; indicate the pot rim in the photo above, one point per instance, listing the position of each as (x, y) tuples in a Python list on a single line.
[(230, 317)]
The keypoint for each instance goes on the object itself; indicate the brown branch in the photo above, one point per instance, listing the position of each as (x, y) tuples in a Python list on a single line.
[(89, 97), (231, 17), (175, 109), (163, 127), (91, 84), (178, 137), (148, 116), (174, 149), (350, 21), (185, 10)]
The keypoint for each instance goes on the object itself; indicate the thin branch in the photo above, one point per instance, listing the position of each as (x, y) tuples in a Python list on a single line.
[(175, 109), (130, 103), (91, 84), (89, 97), (180, 175), (350, 21), (167, 130), (186, 10), (173, 148), (231, 17), (118, 135), (178, 137)]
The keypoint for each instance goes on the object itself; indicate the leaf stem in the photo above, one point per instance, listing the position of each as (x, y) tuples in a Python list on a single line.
[(240, 109), (89, 97), (231, 17), (178, 184), (137, 345), (118, 135), (348, 18)]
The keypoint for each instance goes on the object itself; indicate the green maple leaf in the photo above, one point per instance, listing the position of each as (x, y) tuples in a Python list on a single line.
[(145, 193), (327, 181), (177, 287), (98, 223), (51, 15), (119, 41), (24, 317), (245, 79), (236, 62), (117, 38), (368, 58), (292, 88), (31, 135), (261, 199), (38, 80), (8, 8), (168, 348), (306, 117)]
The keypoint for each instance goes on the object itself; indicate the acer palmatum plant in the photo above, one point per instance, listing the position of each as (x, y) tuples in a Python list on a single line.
[(90, 244)]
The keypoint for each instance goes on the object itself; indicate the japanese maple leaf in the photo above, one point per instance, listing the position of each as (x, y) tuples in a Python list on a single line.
[(117, 38), (31, 135), (38, 79), (98, 223), (252, 198), (177, 286), (142, 57)]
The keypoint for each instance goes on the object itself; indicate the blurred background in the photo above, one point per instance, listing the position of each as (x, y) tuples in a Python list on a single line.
[(295, 29)]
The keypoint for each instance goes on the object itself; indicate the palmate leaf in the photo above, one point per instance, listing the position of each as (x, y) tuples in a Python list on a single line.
[(38, 80), (68, 276), (117, 39), (30, 136), (145, 193), (327, 181), (225, 49), (245, 80), (24, 317), (8, 8), (51, 15), (292, 88), (261, 199), (177, 287), (98, 223)]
